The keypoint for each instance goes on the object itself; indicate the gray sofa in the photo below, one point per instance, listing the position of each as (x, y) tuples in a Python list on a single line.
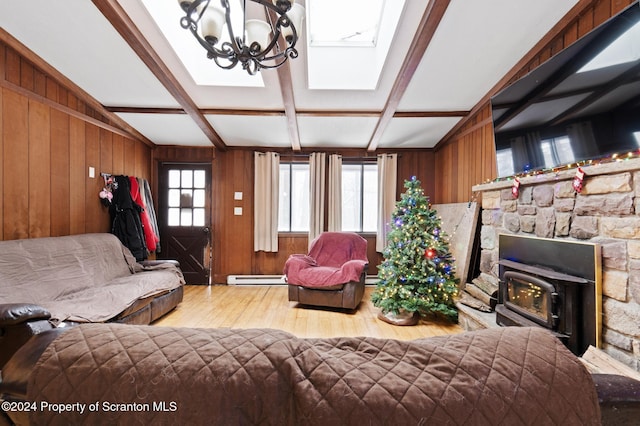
[(56, 282)]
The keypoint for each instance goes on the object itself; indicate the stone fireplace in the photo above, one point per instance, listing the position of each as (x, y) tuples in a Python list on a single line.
[(606, 212)]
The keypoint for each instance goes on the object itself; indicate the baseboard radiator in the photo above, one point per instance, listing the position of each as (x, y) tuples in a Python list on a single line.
[(255, 279), (371, 280), (274, 279)]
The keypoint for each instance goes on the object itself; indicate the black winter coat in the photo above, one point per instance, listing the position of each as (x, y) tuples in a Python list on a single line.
[(125, 219)]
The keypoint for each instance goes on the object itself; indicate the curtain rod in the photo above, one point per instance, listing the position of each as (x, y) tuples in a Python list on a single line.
[(369, 157)]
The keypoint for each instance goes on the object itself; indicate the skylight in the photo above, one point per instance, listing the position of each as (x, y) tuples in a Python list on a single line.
[(348, 42), (344, 22)]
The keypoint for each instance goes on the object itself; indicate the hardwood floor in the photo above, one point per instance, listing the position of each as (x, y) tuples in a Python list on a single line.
[(268, 307)]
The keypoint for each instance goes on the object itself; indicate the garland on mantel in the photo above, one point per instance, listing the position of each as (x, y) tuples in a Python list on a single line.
[(578, 166)]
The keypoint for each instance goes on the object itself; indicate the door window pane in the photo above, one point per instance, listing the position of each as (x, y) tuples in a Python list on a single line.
[(199, 179), (186, 204), (187, 179), (173, 218), (174, 198), (198, 217), (185, 217), (198, 198), (186, 198), (174, 178)]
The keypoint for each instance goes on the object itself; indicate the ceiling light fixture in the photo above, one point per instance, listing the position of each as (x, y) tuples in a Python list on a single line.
[(258, 46)]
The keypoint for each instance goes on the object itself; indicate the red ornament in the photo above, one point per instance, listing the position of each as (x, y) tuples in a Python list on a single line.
[(430, 253)]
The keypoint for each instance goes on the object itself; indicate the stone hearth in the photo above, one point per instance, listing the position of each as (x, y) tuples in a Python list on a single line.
[(606, 212)]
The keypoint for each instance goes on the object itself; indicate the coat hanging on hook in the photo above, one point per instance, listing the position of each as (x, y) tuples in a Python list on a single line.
[(125, 219)]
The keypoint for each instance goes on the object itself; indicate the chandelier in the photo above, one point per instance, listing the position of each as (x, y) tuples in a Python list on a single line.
[(258, 45)]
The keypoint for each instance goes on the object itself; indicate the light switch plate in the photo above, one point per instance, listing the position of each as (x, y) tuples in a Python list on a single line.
[(92, 172)]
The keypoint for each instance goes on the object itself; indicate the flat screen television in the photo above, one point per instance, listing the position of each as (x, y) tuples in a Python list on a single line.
[(582, 104)]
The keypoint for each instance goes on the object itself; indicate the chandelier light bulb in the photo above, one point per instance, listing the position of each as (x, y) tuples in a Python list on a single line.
[(296, 16), (213, 24), (259, 32)]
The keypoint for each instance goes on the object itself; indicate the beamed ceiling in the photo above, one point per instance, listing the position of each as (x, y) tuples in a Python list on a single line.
[(445, 58)]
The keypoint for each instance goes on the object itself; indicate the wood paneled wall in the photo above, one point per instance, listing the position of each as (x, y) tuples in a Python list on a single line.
[(232, 237), (49, 137), (467, 156)]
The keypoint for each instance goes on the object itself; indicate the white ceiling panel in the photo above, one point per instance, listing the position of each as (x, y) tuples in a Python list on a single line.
[(167, 129), (336, 132), (251, 130), (416, 132), (477, 43), (76, 39)]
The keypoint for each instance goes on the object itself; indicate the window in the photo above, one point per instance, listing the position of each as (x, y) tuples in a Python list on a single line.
[(293, 203), (557, 151), (186, 197), (360, 197), (504, 158)]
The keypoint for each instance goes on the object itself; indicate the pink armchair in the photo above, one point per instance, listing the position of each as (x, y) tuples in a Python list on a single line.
[(331, 274)]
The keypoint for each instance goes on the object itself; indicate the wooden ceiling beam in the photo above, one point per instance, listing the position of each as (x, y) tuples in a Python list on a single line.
[(132, 35), (280, 113), (286, 88), (426, 29)]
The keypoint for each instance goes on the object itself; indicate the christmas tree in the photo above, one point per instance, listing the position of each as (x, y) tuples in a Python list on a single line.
[(417, 274)]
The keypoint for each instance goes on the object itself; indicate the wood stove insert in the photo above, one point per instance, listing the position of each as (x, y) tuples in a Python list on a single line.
[(555, 284)]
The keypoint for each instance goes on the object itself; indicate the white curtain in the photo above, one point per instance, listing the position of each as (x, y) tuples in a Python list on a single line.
[(335, 193), (582, 139), (387, 181), (317, 171), (265, 213)]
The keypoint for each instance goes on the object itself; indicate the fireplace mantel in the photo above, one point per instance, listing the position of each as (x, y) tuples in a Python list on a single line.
[(623, 164)]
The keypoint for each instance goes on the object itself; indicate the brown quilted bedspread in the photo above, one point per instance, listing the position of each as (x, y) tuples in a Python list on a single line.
[(161, 375)]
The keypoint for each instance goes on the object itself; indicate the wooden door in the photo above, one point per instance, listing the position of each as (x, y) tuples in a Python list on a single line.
[(184, 216)]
